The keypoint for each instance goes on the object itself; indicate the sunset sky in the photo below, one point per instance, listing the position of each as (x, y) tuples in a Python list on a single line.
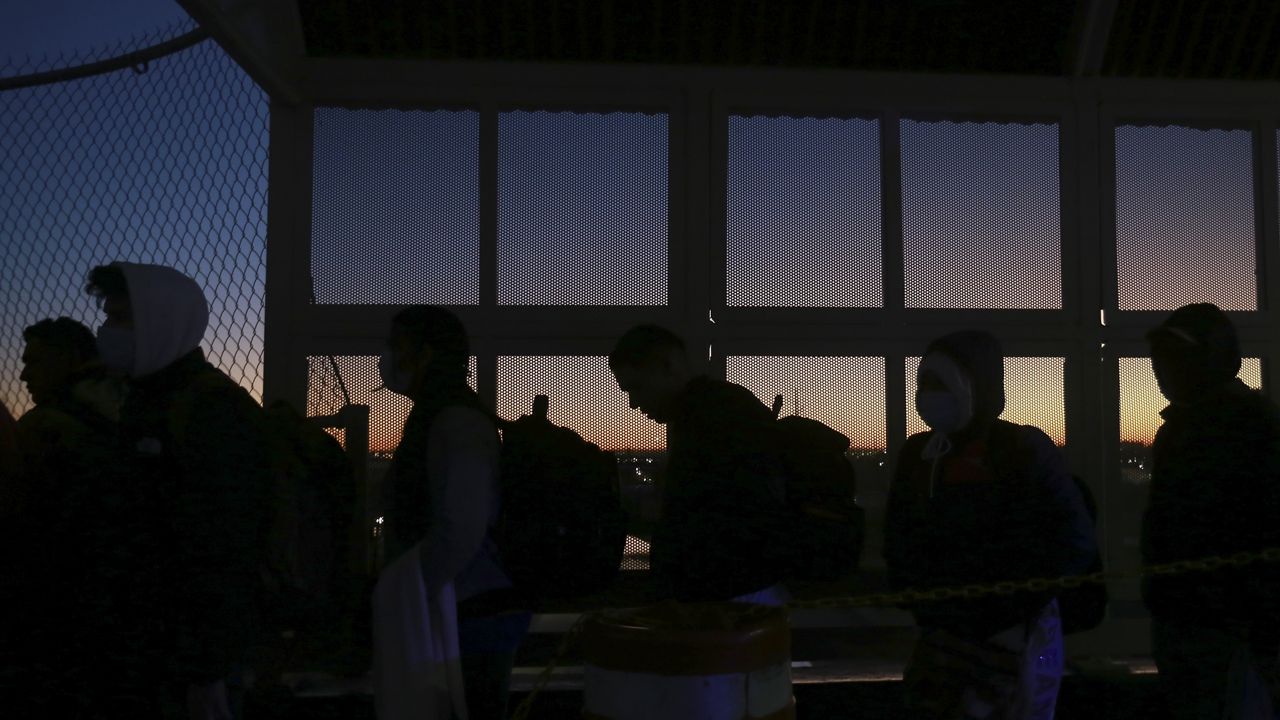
[(169, 166)]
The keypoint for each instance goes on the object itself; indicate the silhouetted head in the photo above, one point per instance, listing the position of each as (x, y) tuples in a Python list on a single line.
[(108, 284), (651, 366), (56, 350), (427, 348), (154, 316), (1195, 353), (960, 383)]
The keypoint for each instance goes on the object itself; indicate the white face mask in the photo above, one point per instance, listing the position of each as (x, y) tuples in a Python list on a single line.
[(397, 380), (943, 411), (116, 348)]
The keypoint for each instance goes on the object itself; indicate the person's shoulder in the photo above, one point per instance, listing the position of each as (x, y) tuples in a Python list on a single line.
[(42, 419), (916, 441), (720, 395), (1031, 436), (210, 395)]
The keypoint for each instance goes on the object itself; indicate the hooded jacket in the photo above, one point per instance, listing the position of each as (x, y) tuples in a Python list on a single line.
[(1215, 491), (197, 454), (1003, 507)]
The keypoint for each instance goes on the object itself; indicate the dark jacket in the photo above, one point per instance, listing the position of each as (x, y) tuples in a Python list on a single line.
[(55, 528), (413, 515), (723, 527), (197, 454), (1003, 507), (1215, 491)]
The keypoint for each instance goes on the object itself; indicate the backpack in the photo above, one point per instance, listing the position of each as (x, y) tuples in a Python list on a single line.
[(308, 534), (1085, 607), (562, 530), (827, 523), (307, 523)]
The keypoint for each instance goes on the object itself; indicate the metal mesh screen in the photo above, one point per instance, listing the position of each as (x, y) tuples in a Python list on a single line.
[(846, 393), (387, 410), (396, 207), (1034, 391), (1140, 406), (803, 213), (1185, 227), (583, 396), (168, 165), (582, 208), (981, 215)]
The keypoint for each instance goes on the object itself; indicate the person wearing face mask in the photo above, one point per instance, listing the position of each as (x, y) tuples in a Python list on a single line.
[(978, 500), (444, 583), (187, 517), (1215, 491)]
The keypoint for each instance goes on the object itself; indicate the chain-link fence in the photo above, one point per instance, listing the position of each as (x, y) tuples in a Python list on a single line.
[(163, 160)]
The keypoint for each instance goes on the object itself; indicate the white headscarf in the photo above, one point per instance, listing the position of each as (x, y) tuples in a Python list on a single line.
[(170, 315)]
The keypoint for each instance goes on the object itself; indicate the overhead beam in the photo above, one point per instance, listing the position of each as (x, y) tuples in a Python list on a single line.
[(1092, 31), (263, 36)]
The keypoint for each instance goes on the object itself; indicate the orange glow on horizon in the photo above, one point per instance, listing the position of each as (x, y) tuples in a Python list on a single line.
[(844, 392), (1141, 401)]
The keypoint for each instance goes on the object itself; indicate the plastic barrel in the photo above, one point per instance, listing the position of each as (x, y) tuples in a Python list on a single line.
[(705, 661)]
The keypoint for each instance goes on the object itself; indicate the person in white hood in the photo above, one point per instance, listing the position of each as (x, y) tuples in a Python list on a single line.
[(196, 465)]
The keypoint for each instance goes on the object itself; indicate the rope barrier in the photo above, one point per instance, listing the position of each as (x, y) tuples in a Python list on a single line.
[(969, 592)]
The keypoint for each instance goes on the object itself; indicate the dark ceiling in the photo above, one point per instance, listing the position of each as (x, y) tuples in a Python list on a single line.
[(1152, 38)]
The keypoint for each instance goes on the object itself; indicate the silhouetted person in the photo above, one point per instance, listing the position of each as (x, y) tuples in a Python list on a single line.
[(192, 504), (66, 444), (722, 530), (444, 499), (1215, 491), (979, 500)]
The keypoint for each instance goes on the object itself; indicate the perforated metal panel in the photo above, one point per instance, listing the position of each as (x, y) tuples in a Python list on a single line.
[(1034, 390), (803, 213), (1140, 406), (582, 208), (387, 410), (635, 555), (583, 395), (846, 393), (981, 218), (396, 207), (1185, 227)]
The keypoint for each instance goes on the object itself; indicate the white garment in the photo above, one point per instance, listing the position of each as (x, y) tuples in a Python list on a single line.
[(462, 480), (417, 668), (170, 315), (1039, 645)]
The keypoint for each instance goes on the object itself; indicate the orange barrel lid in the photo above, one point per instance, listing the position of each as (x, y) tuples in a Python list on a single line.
[(688, 639)]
